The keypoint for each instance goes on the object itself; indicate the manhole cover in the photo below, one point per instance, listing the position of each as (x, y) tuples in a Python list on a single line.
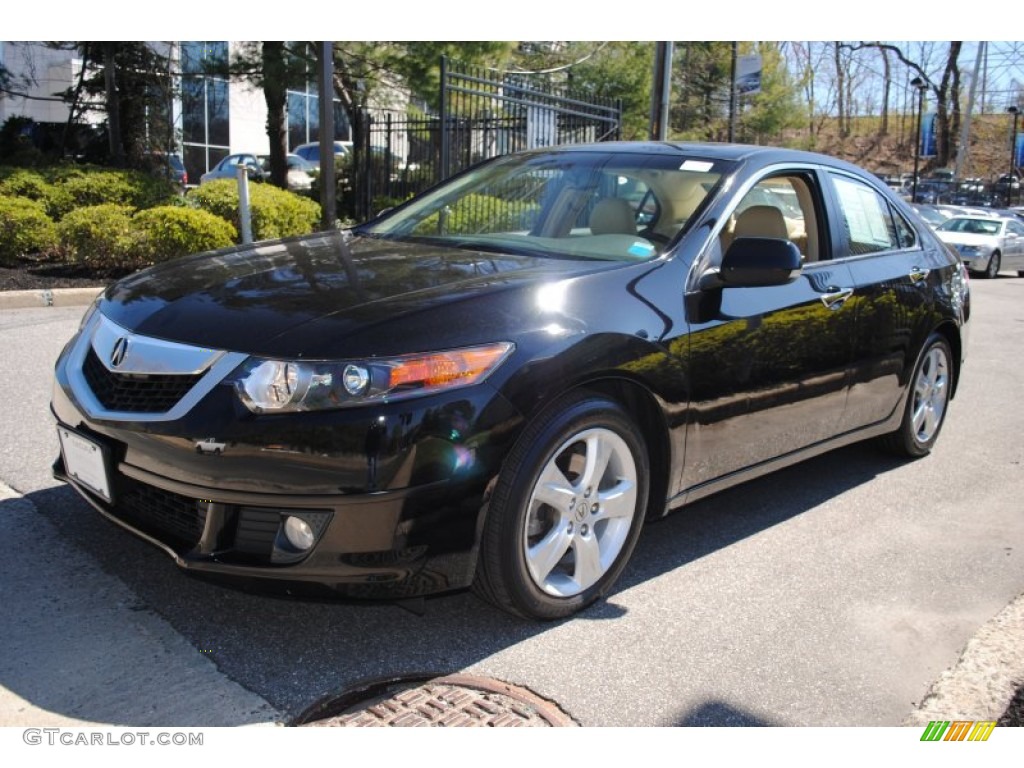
[(452, 701)]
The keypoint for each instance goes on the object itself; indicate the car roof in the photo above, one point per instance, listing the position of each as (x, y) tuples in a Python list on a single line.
[(717, 151)]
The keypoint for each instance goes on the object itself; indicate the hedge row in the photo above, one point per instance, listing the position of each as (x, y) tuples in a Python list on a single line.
[(128, 219), (111, 235), (62, 189), (275, 213)]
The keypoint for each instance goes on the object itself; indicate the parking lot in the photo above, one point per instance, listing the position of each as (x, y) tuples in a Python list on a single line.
[(832, 593)]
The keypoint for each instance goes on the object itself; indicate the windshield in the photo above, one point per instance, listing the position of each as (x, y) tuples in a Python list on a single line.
[(973, 226), (614, 205)]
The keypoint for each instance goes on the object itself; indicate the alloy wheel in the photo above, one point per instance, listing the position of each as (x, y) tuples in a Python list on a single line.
[(580, 512), (931, 394)]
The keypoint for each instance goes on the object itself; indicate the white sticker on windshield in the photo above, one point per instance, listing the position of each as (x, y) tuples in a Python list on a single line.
[(698, 166)]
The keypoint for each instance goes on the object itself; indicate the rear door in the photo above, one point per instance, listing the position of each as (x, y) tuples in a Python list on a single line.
[(896, 274)]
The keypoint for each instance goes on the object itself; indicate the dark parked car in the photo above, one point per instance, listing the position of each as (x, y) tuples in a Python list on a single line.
[(499, 381), (169, 166)]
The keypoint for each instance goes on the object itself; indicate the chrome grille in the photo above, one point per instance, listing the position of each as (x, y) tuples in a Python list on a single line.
[(135, 392)]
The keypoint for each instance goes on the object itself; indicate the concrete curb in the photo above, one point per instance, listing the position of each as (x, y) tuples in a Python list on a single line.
[(72, 653), (56, 297), (985, 678)]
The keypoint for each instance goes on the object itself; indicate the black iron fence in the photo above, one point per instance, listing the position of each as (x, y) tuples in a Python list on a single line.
[(484, 113), (488, 113)]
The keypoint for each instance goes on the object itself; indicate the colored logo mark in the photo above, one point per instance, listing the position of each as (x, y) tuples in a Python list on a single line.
[(958, 730)]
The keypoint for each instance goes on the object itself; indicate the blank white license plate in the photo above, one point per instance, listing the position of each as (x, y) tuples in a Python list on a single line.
[(84, 462)]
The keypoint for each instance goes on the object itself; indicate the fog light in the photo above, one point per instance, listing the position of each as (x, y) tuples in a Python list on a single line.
[(298, 533)]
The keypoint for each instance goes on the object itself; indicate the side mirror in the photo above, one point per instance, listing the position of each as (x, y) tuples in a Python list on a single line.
[(751, 262)]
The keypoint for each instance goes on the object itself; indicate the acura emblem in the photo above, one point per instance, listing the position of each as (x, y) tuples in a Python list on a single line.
[(119, 351)]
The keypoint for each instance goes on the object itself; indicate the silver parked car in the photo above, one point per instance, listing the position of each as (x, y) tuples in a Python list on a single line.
[(227, 168), (986, 244), (311, 152), (300, 173)]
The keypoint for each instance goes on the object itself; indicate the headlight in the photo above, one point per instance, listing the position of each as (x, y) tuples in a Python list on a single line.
[(279, 386)]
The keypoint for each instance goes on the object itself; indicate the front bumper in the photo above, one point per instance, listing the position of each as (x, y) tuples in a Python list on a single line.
[(394, 492), (975, 260)]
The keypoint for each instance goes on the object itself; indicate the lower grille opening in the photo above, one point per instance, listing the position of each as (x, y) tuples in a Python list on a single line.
[(170, 517), (245, 535)]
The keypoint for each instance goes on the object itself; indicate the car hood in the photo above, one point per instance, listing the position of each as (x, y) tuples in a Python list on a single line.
[(323, 295), (966, 238)]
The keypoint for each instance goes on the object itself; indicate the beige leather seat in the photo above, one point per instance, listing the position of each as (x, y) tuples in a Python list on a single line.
[(612, 216), (761, 221), (757, 221)]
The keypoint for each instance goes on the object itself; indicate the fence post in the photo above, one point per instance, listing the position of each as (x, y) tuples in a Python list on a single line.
[(443, 174), (328, 182), (244, 214)]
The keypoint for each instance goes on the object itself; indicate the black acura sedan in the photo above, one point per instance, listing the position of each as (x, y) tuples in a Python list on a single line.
[(498, 382)]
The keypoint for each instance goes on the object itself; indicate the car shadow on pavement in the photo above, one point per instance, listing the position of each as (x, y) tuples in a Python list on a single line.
[(293, 651), (720, 715), (715, 522)]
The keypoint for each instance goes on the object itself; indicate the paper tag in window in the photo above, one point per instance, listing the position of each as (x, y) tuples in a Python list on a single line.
[(697, 166)]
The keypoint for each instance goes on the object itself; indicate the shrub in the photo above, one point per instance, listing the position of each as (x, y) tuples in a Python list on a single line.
[(481, 213), (35, 185), (275, 212), (21, 182), (168, 231), (98, 234), (24, 229), (80, 187)]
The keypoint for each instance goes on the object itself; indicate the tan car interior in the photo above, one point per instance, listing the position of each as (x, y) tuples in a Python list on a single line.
[(612, 216), (772, 221)]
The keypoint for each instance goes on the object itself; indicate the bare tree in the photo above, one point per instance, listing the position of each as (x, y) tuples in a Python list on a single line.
[(946, 91), (886, 83), (840, 89)]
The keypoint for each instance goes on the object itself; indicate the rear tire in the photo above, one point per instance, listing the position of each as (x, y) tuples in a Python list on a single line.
[(927, 401), (566, 512)]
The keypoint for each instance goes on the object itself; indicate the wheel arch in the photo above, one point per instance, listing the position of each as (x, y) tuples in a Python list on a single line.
[(643, 407), (951, 333)]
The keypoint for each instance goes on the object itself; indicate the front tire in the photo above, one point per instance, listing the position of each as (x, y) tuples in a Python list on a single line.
[(994, 263), (566, 512), (927, 401)]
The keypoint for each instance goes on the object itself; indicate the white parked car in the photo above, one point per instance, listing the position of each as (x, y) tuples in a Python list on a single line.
[(986, 244)]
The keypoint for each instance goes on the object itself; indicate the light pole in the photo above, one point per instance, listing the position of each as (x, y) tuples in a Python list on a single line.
[(1013, 110), (919, 84)]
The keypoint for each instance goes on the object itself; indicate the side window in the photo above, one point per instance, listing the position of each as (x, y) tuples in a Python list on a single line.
[(1016, 228), (868, 225), (782, 206), (904, 232)]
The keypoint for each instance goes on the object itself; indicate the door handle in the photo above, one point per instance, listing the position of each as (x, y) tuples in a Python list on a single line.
[(834, 298), (918, 275)]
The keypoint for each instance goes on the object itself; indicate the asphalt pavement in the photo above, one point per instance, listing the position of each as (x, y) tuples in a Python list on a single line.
[(853, 589)]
